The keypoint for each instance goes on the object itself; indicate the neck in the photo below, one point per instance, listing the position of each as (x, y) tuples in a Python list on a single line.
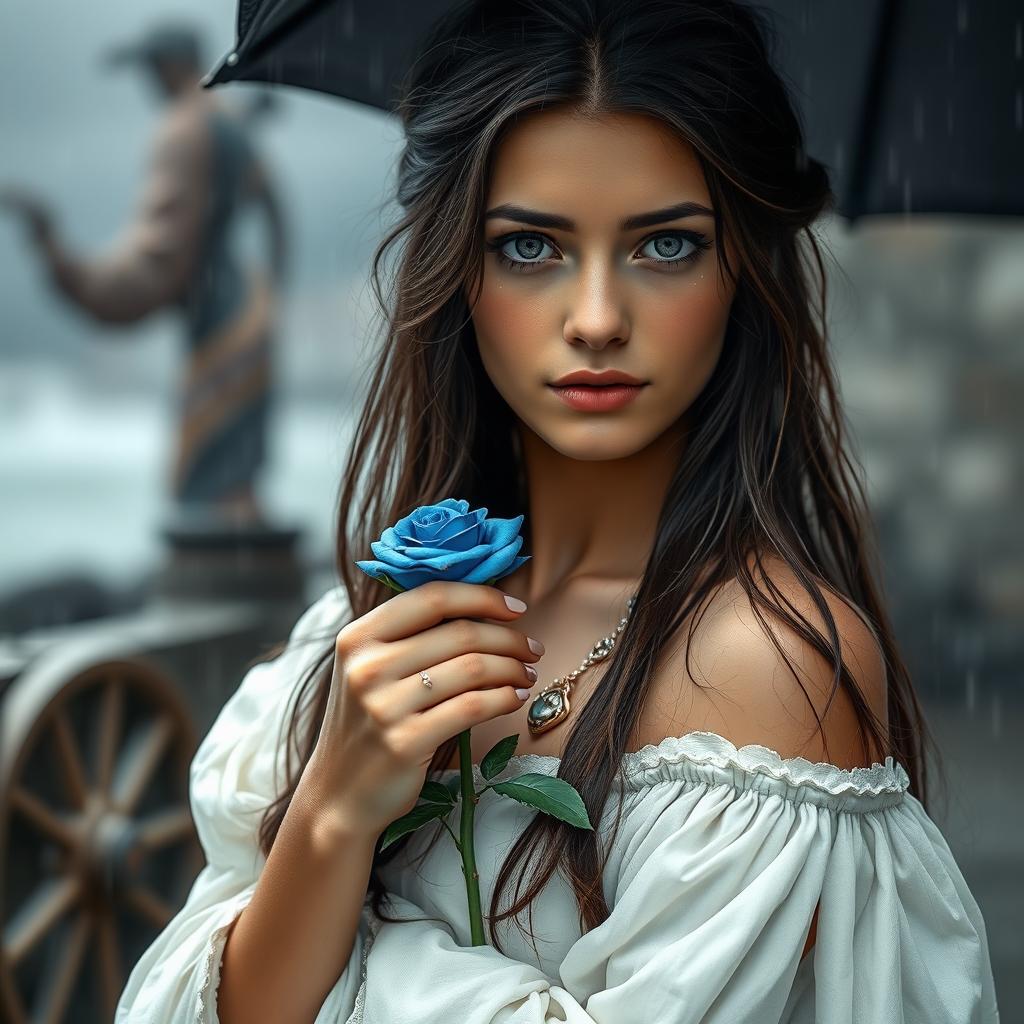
[(591, 520)]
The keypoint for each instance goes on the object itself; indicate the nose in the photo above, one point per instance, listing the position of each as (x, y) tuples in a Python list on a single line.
[(597, 316)]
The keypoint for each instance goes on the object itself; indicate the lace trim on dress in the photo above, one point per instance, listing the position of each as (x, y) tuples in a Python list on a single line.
[(356, 1016), (709, 748), (206, 1007)]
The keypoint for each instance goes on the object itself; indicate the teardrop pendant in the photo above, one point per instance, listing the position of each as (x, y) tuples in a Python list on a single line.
[(549, 707)]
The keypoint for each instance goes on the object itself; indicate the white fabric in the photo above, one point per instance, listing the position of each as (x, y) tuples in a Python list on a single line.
[(721, 856)]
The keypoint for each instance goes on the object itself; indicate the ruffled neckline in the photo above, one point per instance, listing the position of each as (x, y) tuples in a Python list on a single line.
[(639, 768)]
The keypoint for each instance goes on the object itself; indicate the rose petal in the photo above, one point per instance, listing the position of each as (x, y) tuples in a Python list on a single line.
[(394, 557), (497, 564), (499, 532)]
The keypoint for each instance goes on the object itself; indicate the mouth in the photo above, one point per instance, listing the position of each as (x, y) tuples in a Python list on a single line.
[(597, 397)]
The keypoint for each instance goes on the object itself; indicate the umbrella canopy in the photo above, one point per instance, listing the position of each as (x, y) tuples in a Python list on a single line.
[(354, 49), (916, 106)]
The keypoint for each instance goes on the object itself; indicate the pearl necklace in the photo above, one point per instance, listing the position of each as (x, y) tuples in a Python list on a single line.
[(551, 705)]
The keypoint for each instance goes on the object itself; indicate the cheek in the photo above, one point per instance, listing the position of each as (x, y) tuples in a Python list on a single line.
[(508, 310), (688, 329), (511, 326)]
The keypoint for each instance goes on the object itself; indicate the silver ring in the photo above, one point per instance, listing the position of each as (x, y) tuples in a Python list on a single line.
[(426, 680)]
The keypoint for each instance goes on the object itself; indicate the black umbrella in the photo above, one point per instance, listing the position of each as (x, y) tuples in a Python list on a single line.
[(350, 48), (916, 106)]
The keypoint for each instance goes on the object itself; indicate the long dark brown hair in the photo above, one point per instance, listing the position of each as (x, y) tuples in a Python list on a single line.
[(765, 469)]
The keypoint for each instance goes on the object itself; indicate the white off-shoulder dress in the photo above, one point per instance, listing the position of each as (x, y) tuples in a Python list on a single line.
[(721, 856)]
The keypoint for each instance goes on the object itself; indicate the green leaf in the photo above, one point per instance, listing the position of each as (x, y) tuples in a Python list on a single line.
[(417, 817), (548, 794), (435, 793), (498, 756)]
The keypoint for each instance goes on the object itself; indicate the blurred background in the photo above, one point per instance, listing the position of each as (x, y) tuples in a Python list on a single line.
[(927, 322), (87, 409)]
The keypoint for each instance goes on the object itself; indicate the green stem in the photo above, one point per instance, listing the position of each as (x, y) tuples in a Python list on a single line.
[(469, 799), (469, 802)]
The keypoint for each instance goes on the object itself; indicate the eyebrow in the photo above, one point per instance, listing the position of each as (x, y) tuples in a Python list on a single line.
[(539, 219)]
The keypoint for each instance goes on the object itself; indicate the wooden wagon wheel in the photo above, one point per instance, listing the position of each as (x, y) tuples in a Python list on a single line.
[(97, 845)]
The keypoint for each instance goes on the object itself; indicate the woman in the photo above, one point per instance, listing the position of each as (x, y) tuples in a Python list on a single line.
[(615, 188)]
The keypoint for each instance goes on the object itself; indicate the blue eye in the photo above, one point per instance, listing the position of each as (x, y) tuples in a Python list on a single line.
[(527, 245), (675, 241), (530, 245)]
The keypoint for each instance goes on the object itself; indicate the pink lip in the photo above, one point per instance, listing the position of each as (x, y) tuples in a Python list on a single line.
[(591, 398)]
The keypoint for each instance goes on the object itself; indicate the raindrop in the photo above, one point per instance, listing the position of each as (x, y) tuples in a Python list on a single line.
[(997, 715), (961, 17), (375, 72), (906, 197), (232, 59), (971, 691)]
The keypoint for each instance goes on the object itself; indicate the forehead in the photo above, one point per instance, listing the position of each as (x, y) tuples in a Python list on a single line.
[(587, 167)]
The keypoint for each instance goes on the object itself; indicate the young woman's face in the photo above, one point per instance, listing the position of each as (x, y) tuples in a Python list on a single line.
[(590, 293)]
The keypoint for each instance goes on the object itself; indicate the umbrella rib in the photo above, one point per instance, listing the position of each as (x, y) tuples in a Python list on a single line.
[(867, 117)]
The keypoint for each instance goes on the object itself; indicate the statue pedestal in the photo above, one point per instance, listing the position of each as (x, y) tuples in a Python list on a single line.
[(213, 559)]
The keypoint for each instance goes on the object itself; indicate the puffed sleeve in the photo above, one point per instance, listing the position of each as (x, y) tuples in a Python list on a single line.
[(231, 782), (712, 883)]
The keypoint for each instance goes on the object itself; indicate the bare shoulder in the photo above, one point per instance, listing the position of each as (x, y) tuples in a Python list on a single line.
[(741, 686)]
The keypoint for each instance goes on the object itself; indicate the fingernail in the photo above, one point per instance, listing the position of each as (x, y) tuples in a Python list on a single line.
[(531, 672), (522, 694), (535, 645), (515, 604)]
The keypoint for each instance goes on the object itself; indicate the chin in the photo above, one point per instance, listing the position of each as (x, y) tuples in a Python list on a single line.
[(595, 442)]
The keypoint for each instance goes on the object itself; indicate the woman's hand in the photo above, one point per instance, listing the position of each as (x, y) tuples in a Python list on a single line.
[(382, 726)]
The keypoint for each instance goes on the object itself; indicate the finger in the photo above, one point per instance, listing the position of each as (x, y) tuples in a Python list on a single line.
[(449, 640), (413, 611), (438, 724), (473, 671)]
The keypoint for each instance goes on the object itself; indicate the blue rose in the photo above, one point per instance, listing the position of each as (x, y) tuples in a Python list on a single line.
[(445, 541)]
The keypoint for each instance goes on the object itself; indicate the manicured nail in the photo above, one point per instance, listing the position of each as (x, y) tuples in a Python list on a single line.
[(522, 694), (535, 645), (530, 671), (515, 604)]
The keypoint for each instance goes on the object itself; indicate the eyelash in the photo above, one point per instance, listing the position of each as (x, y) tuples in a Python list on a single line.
[(701, 242)]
